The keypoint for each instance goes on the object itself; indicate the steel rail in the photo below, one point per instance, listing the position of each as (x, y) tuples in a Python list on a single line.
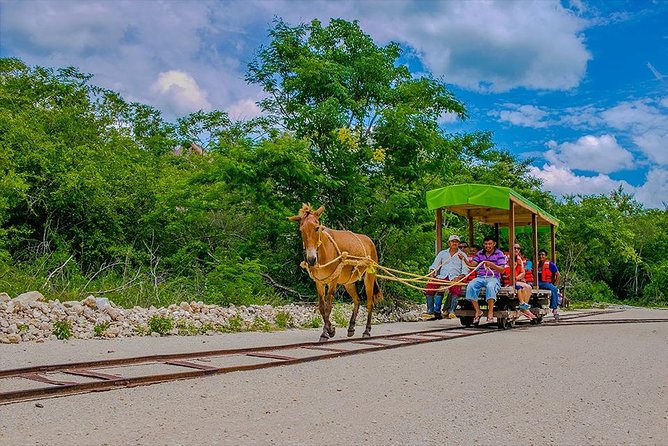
[(110, 382), (328, 350)]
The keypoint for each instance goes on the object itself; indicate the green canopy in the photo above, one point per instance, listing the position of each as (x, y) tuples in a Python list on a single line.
[(487, 204)]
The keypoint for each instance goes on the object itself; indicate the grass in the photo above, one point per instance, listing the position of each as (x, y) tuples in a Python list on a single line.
[(283, 320), (339, 317), (100, 328), (62, 330), (160, 324)]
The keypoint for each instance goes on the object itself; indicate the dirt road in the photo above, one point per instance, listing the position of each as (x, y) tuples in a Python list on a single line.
[(570, 385)]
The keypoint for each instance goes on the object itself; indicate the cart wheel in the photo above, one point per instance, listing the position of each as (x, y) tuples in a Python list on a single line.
[(511, 323), (502, 323), (539, 319), (466, 321)]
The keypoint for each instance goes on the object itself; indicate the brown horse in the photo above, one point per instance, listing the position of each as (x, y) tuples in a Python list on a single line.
[(338, 258)]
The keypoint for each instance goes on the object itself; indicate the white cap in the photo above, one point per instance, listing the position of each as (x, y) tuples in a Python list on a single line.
[(453, 237)]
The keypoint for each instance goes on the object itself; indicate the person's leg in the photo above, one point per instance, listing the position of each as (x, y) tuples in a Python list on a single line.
[(554, 299), (438, 300), (492, 287), (472, 291), (430, 303), (453, 303), (447, 303)]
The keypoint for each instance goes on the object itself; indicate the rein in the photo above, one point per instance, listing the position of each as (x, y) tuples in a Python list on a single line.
[(365, 264)]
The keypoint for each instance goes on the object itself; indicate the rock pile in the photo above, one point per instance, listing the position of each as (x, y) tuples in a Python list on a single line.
[(30, 317)]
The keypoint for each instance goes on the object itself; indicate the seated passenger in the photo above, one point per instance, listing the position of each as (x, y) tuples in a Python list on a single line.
[(448, 265), (523, 288), (548, 276), (493, 261)]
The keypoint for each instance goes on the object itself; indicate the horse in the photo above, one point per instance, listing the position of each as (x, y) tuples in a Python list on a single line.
[(338, 258)]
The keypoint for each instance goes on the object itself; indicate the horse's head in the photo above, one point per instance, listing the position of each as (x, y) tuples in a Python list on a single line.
[(309, 226)]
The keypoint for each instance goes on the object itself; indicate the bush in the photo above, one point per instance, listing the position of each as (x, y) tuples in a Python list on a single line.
[(160, 324), (100, 328), (62, 330), (283, 320)]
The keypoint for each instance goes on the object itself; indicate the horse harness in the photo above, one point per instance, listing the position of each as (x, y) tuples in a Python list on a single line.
[(361, 265)]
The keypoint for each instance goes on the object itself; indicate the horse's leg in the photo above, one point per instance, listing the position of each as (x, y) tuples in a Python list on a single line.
[(369, 280), (331, 288), (352, 290), (322, 307)]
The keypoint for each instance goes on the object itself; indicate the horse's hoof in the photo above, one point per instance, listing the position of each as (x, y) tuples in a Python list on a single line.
[(366, 334), (332, 332), (351, 333), (323, 339)]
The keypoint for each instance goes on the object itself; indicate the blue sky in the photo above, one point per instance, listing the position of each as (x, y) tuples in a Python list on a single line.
[(580, 87)]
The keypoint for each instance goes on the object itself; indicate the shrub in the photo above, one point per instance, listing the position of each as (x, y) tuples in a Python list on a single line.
[(260, 324), (283, 320), (160, 324), (62, 330), (100, 328), (234, 324)]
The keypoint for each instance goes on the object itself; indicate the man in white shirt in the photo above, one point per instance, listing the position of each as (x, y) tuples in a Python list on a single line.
[(447, 265)]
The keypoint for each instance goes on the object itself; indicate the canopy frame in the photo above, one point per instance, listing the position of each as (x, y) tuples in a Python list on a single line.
[(497, 206)]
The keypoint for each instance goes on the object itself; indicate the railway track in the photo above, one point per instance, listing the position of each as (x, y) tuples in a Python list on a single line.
[(24, 384)]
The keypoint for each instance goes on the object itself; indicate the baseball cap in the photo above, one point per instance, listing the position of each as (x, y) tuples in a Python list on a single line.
[(453, 237)]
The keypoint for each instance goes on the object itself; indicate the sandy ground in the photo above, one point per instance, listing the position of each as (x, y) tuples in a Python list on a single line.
[(570, 385)]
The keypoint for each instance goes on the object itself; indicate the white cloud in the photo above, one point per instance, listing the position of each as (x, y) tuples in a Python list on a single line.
[(646, 123), (653, 192), (244, 109), (181, 92), (592, 153), (562, 181), (522, 115)]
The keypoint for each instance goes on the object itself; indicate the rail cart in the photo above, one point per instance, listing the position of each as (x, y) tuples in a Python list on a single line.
[(503, 208)]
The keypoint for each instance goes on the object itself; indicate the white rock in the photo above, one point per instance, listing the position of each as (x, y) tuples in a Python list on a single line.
[(30, 296), (4, 297)]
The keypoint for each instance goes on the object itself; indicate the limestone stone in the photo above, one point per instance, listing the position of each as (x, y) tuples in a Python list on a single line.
[(4, 297), (30, 296)]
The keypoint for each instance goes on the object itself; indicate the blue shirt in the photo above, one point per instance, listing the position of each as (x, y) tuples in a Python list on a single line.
[(497, 257), (449, 266)]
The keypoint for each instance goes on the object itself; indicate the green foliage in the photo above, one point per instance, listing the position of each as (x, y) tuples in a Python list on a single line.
[(283, 320), (100, 328), (160, 324), (315, 322), (62, 329), (260, 324), (339, 317), (94, 198), (234, 324)]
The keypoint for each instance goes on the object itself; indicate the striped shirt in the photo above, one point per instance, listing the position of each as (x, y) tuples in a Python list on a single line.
[(497, 257)]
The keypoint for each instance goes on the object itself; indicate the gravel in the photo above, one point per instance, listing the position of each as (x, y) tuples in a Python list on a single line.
[(532, 385)]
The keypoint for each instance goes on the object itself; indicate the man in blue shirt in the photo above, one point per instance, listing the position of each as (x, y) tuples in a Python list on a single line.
[(548, 275), (488, 276)]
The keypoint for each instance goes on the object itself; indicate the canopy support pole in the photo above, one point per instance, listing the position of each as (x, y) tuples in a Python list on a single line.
[(553, 247), (511, 242), (534, 239), (439, 230), (470, 228)]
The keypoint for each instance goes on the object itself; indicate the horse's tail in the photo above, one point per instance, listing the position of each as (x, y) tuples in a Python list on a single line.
[(377, 292)]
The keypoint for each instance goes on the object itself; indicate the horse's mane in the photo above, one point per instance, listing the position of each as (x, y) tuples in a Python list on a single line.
[(305, 210)]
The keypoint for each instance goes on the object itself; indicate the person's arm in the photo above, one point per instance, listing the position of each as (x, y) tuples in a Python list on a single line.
[(522, 273), (470, 263), (498, 268), (436, 264), (463, 270), (556, 275)]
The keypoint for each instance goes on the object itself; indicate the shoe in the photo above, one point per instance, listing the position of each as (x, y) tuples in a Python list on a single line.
[(476, 319), (428, 316), (524, 306), (529, 315), (451, 315), (438, 316)]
